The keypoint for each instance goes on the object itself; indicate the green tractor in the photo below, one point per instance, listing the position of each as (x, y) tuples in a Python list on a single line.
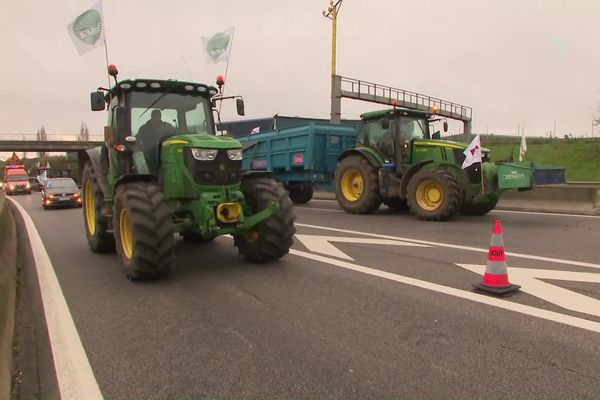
[(399, 162), (162, 170)]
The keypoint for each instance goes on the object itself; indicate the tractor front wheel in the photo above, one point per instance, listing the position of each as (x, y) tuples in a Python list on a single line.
[(357, 185), (479, 208), (96, 224), (143, 231), (272, 238), (302, 193), (434, 195)]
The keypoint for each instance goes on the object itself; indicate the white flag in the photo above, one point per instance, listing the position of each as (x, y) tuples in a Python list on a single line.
[(218, 46), (87, 30), (472, 153), (523, 148), (254, 131)]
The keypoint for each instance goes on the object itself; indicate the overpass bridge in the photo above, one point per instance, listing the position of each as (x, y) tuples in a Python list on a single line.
[(56, 143)]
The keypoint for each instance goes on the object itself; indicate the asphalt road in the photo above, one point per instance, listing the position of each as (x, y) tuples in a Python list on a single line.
[(329, 322)]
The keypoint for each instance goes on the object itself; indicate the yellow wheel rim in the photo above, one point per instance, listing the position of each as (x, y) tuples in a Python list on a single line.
[(90, 207), (126, 235), (352, 185), (430, 195)]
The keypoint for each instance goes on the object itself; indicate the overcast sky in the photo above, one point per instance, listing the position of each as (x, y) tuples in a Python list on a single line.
[(516, 62)]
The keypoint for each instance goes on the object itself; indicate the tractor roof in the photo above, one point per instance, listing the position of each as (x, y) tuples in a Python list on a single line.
[(392, 111), (159, 85)]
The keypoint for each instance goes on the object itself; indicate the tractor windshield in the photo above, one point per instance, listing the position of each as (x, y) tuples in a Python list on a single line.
[(413, 128), (167, 113), (375, 136)]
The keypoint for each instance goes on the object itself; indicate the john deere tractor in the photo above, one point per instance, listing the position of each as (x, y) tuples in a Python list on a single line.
[(399, 161), (162, 170)]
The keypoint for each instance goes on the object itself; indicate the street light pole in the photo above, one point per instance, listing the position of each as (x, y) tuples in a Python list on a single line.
[(332, 13)]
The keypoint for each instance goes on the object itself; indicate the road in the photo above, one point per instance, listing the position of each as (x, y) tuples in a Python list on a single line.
[(363, 307)]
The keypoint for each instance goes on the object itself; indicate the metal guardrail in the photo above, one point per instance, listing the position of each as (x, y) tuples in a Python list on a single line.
[(369, 91)]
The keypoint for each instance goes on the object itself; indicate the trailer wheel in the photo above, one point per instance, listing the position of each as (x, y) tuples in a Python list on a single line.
[(143, 231), (434, 195), (96, 225), (357, 185), (302, 193), (479, 208), (396, 203), (272, 238)]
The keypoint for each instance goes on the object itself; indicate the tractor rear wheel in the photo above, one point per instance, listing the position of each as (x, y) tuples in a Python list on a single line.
[(96, 225), (302, 193), (272, 238), (143, 231), (434, 195), (357, 185)]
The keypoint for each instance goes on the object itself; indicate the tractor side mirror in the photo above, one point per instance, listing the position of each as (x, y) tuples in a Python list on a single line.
[(445, 126), (385, 123), (239, 103), (97, 101)]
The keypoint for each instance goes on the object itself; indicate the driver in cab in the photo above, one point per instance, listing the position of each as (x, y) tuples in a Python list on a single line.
[(150, 135)]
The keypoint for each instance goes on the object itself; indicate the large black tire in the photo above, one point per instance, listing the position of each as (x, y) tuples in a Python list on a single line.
[(272, 238), (357, 185), (193, 237), (96, 224), (396, 203), (302, 193), (479, 208), (144, 233), (434, 195)]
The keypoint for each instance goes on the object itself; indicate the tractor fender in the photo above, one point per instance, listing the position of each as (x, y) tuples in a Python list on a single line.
[(134, 178), (93, 156), (407, 176), (360, 152)]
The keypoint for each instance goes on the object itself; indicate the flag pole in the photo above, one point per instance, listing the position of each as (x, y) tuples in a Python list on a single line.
[(226, 69), (105, 46)]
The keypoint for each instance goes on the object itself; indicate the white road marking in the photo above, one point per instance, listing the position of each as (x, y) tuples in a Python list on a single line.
[(463, 294), (547, 213), (506, 211), (529, 279), (74, 373), (454, 246), (319, 209), (321, 244)]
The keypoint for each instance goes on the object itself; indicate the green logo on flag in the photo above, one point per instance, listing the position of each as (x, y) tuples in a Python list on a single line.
[(88, 27), (217, 45)]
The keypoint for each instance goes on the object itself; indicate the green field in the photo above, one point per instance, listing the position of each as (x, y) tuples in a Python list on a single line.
[(580, 157)]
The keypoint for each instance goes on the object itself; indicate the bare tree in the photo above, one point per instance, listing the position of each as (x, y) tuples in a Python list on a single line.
[(42, 136), (84, 133)]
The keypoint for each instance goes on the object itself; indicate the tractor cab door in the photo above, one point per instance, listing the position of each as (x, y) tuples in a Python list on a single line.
[(408, 128), (377, 134)]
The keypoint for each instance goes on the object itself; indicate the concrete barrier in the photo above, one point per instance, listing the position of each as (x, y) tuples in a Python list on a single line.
[(568, 198), (8, 270)]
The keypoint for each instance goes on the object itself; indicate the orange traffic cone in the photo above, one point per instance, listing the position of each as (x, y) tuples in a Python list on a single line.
[(495, 279)]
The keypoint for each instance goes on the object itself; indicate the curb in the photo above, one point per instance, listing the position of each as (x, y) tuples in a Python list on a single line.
[(8, 286)]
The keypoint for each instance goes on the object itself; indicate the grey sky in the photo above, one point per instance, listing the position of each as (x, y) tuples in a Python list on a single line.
[(528, 62)]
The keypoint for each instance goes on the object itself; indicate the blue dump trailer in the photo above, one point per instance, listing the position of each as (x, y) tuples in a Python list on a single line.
[(301, 157)]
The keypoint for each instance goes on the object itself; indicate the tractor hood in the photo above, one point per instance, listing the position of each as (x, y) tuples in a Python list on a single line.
[(203, 141)]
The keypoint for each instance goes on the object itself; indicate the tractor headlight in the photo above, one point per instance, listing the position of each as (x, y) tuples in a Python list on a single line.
[(235, 154), (204, 154), (28, 186)]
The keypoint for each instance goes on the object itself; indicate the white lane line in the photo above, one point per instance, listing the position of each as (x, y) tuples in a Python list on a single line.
[(505, 211), (74, 373), (546, 214), (463, 294), (319, 209), (454, 246)]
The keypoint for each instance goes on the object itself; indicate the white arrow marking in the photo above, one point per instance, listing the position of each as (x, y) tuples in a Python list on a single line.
[(321, 244), (529, 279)]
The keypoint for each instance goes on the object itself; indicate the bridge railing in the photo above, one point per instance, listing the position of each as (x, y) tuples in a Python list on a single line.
[(50, 137)]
